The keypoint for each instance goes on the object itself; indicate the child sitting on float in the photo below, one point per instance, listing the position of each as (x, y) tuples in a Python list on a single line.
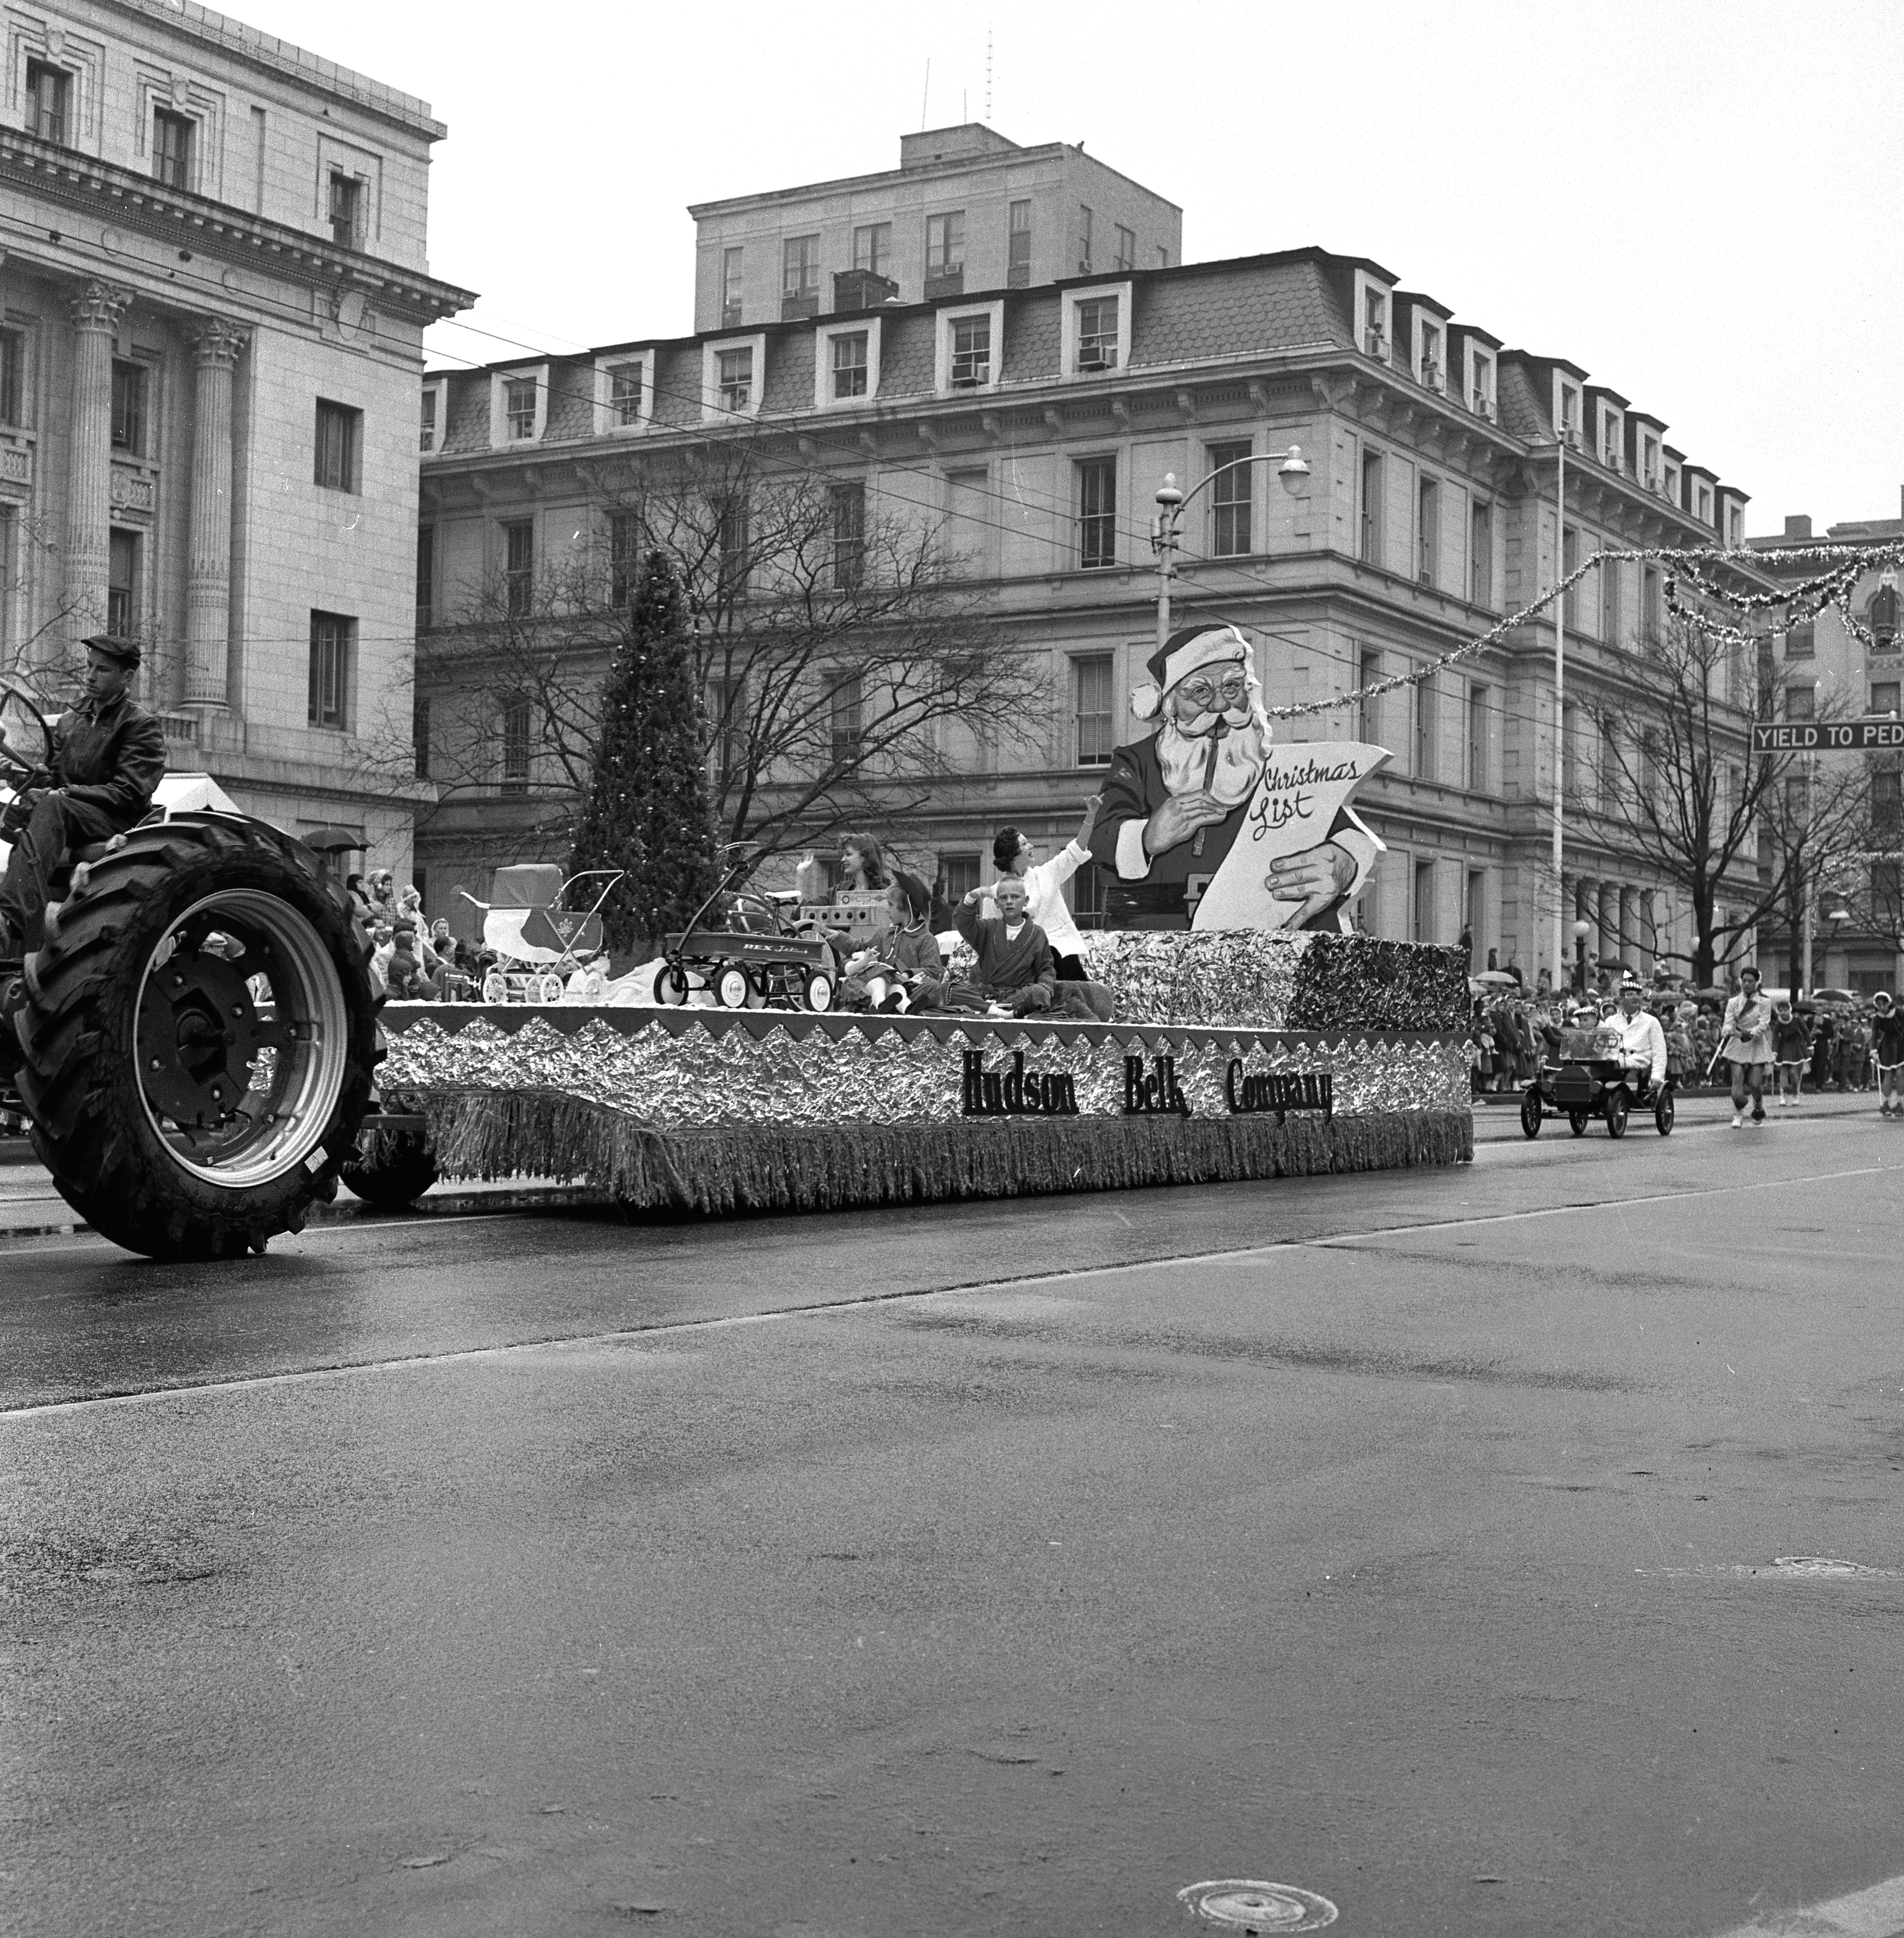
[(904, 967)]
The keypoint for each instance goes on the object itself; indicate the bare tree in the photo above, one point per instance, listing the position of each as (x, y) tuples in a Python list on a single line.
[(1678, 785), (842, 656)]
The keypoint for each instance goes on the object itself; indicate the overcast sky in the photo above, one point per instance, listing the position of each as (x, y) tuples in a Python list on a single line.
[(1693, 203)]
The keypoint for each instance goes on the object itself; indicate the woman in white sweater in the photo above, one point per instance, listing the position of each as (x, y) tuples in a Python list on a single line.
[(1012, 853)]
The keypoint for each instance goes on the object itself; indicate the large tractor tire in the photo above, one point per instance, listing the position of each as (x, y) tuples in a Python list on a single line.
[(198, 1038)]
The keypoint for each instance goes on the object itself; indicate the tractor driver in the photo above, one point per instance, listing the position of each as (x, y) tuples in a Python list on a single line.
[(1642, 1048), (108, 757)]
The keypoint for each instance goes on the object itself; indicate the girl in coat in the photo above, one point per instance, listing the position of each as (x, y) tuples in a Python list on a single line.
[(1791, 1050)]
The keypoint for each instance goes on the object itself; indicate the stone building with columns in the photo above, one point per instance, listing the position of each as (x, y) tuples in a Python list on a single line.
[(213, 292), (1030, 428)]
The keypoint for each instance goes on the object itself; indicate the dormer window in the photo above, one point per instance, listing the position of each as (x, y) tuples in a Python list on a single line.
[(971, 351), (1480, 381), (1649, 460), (1097, 333), (1702, 502), (1612, 438), (1735, 528), (519, 407), (1669, 485), (971, 348), (845, 362), (1566, 411), (1429, 368), (1375, 322), (1096, 327), (432, 409)]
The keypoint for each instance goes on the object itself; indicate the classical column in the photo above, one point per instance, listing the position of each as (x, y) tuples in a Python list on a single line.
[(1628, 926), (97, 309), (1609, 916), (216, 347)]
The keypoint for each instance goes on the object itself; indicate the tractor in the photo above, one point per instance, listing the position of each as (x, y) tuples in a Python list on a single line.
[(194, 1046)]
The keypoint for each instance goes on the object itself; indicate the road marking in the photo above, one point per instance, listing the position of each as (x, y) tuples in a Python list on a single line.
[(1876, 1913), (819, 1309)]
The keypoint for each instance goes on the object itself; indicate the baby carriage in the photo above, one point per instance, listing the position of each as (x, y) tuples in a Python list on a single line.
[(539, 937)]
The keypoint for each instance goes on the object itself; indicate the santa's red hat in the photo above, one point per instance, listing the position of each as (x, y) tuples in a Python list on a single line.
[(1187, 650)]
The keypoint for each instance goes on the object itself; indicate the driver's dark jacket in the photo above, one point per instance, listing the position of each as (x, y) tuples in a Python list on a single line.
[(110, 757)]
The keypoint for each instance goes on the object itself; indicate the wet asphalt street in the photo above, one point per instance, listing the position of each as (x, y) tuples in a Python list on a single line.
[(1000, 1568)]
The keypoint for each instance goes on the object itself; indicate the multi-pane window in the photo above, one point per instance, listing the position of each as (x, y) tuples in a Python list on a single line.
[(1018, 246), (1481, 399), (123, 582), (49, 92), (1231, 475), (799, 276), (1801, 702), (516, 724), (13, 376), (1887, 799), (1097, 511), (726, 716), (845, 707), (1801, 640), (1371, 506), (1127, 249), (419, 736), (971, 351), (1368, 708), (1884, 695), (944, 253), (850, 364), (1429, 370), (1093, 709), (1649, 610), (1427, 727), (1611, 439), (847, 505), (622, 542), (519, 407), (426, 577), (624, 393), (1570, 413), (733, 262), (426, 421), (1097, 333), (171, 148), (346, 209), (339, 444), (333, 647), (1374, 322), (873, 247), (128, 389), (958, 875), (1480, 554), (1477, 705), (734, 541), (1428, 531), (518, 566), (734, 378)]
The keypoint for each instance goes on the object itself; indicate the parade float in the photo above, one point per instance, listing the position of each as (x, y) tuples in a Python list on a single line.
[(1251, 1036)]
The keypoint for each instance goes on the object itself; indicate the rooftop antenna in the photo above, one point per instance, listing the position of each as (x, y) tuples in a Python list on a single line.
[(988, 76), (925, 98)]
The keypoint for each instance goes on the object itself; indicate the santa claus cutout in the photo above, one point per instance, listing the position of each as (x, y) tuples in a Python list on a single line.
[(1206, 825)]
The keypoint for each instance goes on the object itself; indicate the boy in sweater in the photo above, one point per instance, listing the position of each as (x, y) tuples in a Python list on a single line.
[(1015, 975)]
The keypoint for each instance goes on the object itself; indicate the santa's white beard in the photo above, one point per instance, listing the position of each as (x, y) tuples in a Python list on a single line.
[(1184, 755)]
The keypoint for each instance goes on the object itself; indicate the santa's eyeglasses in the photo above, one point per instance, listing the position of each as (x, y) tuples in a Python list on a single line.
[(1234, 687)]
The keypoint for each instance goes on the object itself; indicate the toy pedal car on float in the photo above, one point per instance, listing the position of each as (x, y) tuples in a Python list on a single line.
[(1579, 1085), (539, 938)]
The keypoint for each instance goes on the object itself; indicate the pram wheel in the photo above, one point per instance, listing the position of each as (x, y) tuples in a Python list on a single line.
[(1530, 1113), (548, 989), (495, 988)]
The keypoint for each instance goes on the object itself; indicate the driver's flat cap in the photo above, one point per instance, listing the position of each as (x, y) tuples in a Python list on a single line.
[(115, 646)]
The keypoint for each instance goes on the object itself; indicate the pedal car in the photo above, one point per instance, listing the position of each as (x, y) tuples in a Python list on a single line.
[(1579, 1084), (539, 938), (750, 957)]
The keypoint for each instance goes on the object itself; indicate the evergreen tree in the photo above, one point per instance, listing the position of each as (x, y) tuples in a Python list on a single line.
[(647, 811)]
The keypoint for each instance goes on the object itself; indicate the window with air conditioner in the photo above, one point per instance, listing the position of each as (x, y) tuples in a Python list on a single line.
[(971, 352), (1612, 441), (1428, 363), (1428, 532), (1097, 334), (945, 254), (1375, 321), (1567, 412), (1480, 383)]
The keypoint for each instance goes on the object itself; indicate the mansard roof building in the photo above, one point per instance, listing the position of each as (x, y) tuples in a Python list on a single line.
[(1034, 426)]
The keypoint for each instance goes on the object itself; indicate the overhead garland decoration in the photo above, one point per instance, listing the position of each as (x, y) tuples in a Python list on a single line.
[(1832, 587)]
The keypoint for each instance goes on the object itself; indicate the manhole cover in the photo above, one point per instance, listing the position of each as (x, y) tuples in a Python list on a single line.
[(1821, 1564), (1249, 1905)]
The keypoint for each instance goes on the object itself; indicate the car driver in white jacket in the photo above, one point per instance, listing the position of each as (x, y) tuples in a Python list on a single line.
[(1642, 1049)]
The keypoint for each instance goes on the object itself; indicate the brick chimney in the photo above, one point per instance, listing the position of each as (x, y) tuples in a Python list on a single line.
[(1799, 527)]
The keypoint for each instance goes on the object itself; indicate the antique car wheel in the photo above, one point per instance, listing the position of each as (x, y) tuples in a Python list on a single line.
[(1616, 1112), (1663, 1113), (1530, 1113), (1576, 1122)]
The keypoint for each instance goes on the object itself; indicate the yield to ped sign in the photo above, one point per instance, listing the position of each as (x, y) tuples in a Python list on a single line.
[(1826, 736)]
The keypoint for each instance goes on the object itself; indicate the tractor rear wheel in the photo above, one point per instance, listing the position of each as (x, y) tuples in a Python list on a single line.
[(198, 1038)]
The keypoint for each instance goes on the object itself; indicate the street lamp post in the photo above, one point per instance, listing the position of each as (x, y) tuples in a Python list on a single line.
[(1560, 698), (1170, 501), (1579, 954)]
